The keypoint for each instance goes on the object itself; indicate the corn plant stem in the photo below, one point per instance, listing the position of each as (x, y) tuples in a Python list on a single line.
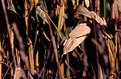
[(95, 34), (36, 32), (104, 7), (59, 32), (53, 40), (116, 48), (31, 56), (22, 50), (94, 24), (45, 60), (55, 50), (8, 29), (116, 38), (68, 71), (26, 17), (98, 64)]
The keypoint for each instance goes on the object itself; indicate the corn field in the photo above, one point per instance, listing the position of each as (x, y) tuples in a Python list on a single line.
[(60, 39)]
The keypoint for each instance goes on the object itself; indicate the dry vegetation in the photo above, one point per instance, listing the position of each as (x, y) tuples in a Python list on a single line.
[(60, 39)]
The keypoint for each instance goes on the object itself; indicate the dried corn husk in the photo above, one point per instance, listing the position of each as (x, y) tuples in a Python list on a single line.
[(76, 37)]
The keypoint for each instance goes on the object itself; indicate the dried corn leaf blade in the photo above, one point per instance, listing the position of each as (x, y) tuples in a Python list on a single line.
[(61, 17), (76, 37), (98, 19), (40, 11), (77, 42), (79, 30), (81, 10), (87, 3), (41, 14), (43, 4), (11, 6), (44, 15)]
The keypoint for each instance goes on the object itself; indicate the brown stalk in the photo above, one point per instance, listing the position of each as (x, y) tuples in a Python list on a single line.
[(100, 73), (68, 67), (17, 57), (55, 51), (61, 72), (62, 15), (22, 51), (26, 16), (0, 61), (97, 6), (111, 59), (54, 42), (8, 29), (31, 55), (37, 61), (116, 39), (45, 13)]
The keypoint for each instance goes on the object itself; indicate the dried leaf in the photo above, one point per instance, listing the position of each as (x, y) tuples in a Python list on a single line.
[(81, 10), (11, 6), (76, 37), (41, 13), (98, 19), (87, 3)]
